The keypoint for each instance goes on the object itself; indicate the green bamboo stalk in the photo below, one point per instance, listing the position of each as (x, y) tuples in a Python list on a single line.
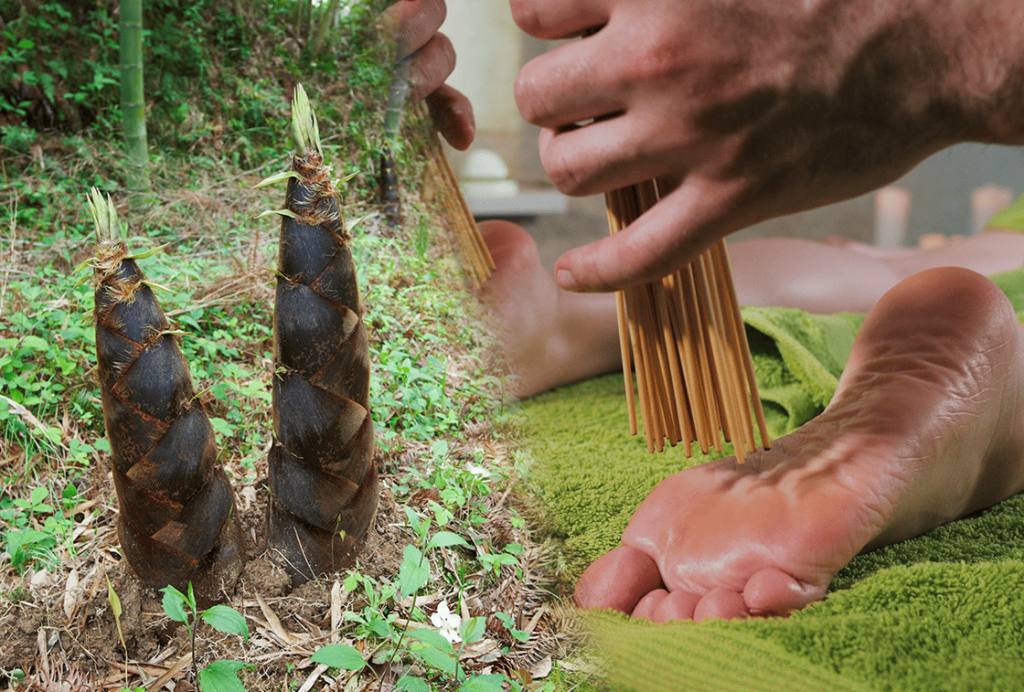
[(133, 102), (323, 29)]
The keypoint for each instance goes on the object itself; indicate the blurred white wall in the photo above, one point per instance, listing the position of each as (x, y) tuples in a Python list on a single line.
[(488, 47)]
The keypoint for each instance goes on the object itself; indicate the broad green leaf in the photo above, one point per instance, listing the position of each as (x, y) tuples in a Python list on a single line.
[(32, 342), (472, 630), (408, 683), (379, 626), (445, 539), (39, 494), (174, 604), (431, 638), (339, 656), (227, 620), (413, 573), (484, 683), (436, 659), (351, 583), (221, 676)]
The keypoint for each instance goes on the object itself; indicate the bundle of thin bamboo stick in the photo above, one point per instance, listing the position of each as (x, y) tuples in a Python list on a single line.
[(476, 257), (685, 338)]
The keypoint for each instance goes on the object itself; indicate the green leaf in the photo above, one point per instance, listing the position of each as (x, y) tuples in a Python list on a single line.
[(221, 676), (31, 342), (278, 177), (39, 494), (351, 583), (115, 601), (226, 620), (431, 638), (414, 520), (408, 683), (280, 212), (145, 254), (472, 630), (445, 539), (484, 683), (339, 656), (174, 604), (436, 659), (413, 573)]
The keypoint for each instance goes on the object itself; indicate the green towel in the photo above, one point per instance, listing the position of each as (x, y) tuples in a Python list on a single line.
[(944, 611)]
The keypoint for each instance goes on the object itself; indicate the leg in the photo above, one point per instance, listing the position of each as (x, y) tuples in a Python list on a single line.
[(555, 337), (927, 425)]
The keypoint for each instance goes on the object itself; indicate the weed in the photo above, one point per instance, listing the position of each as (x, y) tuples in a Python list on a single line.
[(219, 675), (35, 529)]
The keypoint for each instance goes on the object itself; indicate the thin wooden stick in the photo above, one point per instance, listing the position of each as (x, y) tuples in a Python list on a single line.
[(476, 257), (684, 337)]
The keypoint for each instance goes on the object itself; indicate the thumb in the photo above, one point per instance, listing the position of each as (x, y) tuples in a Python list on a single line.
[(669, 235)]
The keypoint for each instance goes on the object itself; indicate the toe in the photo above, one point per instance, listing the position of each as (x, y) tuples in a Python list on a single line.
[(678, 605), (721, 603), (771, 591), (618, 580), (649, 604)]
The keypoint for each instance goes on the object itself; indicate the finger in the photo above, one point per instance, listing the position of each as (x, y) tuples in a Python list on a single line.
[(669, 235), (604, 155), (453, 116), (720, 603), (574, 82), (430, 68), (678, 605), (618, 580), (415, 22), (555, 19)]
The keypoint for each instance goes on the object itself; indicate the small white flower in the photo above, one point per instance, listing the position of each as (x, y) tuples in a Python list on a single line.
[(478, 471), (447, 623)]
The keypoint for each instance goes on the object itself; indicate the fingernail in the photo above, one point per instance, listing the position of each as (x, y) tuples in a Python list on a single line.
[(566, 280)]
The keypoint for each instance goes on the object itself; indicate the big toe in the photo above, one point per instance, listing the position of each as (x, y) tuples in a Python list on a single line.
[(618, 580)]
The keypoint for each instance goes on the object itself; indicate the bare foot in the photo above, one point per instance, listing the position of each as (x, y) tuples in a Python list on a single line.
[(551, 336), (927, 425)]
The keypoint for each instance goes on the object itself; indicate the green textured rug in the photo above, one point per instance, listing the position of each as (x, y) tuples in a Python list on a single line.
[(944, 611)]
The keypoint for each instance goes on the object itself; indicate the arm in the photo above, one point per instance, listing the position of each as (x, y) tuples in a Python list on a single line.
[(752, 109)]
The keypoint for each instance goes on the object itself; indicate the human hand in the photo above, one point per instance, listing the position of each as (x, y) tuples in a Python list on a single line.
[(433, 59), (744, 109)]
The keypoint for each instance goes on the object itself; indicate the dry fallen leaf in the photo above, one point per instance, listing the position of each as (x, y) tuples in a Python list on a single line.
[(71, 594)]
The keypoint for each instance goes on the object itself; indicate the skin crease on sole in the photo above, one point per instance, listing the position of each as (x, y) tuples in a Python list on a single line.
[(926, 426)]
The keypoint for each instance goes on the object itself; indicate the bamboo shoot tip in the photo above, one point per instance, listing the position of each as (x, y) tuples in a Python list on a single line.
[(304, 125)]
